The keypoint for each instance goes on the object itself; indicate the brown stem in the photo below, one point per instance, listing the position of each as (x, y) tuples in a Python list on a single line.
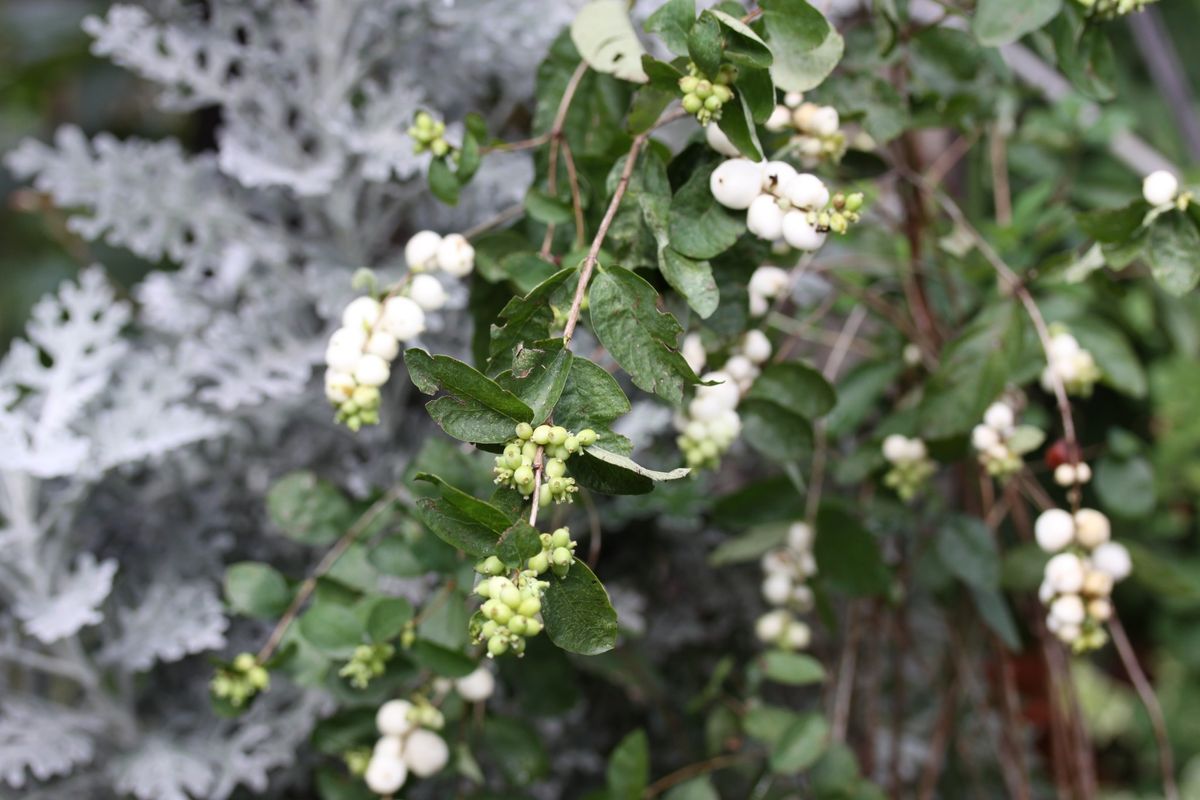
[(692, 771), (576, 199), (537, 485), (941, 735), (1166, 759), (310, 583), (843, 689), (1001, 194)]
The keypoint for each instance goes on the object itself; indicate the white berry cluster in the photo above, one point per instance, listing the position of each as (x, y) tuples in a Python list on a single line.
[(786, 572), (515, 466), (767, 283), (818, 135), (703, 98), (1000, 442), (911, 465), (711, 424), (1077, 584), (407, 744), (1161, 189), (781, 203), (1067, 474), (1073, 365), (1110, 9), (359, 355)]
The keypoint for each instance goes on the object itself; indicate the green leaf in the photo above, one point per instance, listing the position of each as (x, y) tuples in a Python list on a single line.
[(1025, 439), (737, 123), (629, 768), (1120, 366), (1174, 253), (441, 660), (757, 89), (546, 209), (1111, 225), (857, 394), (475, 408), (443, 182), (624, 313), (801, 745), (607, 41), (387, 618), (690, 277), (671, 22), (256, 590), (750, 545), (540, 372), (743, 46), (332, 628), (1084, 53), (469, 157), (527, 318), (592, 399), (972, 373), (793, 669), (805, 46), (847, 554), (1126, 487), (774, 431), (704, 44), (663, 75), (518, 544), (612, 473), (968, 550), (308, 509), (696, 789), (514, 745), (648, 104), (579, 616), (462, 521), (700, 227), (795, 386), (989, 602), (998, 22)]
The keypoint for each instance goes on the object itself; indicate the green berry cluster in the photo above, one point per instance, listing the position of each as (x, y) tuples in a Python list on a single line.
[(1111, 9), (241, 680), (908, 478), (843, 210), (704, 97), (368, 662), (428, 134), (361, 409), (425, 714), (515, 466)]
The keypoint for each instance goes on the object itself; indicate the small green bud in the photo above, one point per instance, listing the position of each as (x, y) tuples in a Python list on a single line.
[(704, 90), (488, 629), (259, 678), (586, 437), (497, 645), (244, 662), (688, 83), (854, 202), (541, 434), (561, 538), (517, 625), (524, 430), (561, 557), (722, 93), (571, 445), (713, 103), (440, 147), (691, 103)]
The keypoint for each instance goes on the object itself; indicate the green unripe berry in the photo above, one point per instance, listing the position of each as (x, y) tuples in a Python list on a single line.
[(722, 93), (571, 445), (545, 539), (517, 625), (497, 645), (529, 451), (524, 430), (561, 538), (712, 103), (440, 147), (558, 435), (259, 678), (688, 83), (502, 613), (523, 475), (511, 596), (541, 434), (244, 662), (532, 628), (703, 90), (557, 486), (854, 201), (691, 103), (561, 453), (586, 437), (529, 607), (545, 495), (489, 566), (556, 468), (488, 629), (511, 451), (561, 557), (539, 563), (365, 396), (423, 120)]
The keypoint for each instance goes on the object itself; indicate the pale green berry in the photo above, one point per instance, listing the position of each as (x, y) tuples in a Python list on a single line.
[(244, 662), (687, 84), (571, 445), (703, 90), (440, 147), (532, 627), (556, 468), (723, 93), (854, 202), (511, 596), (528, 452), (502, 613), (545, 539), (517, 625), (529, 607), (558, 435), (557, 486), (691, 103), (524, 430), (541, 434), (586, 437), (561, 557), (497, 645), (488, 629), (545, 495), (712, 103), (539, 563), (561, 538), (512, 451), (523, 474)]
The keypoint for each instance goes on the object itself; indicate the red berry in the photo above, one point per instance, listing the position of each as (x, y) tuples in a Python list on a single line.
[(1062, 453)]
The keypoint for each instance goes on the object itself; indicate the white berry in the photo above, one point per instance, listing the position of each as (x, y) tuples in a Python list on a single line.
[(425, 753), (384, 345), (372, 371), (345, 348), (793, 99), (768, 281), (999, 417), (476, 687), (984, 438), (800, 537), (736, 182), (895, 448), (777, 588), (403, 318), (799, 635), (1054, 530), (764, 218), (1064, 474), (806, 191), (1113, 559), (780, 119), (456, 256), (1068, 609), (361, 314), (775, 175), (1092, 528), (338, 386), (800, 233), (385, 776), (1160, 187), (756, 346), (421, 251), (758, 304), (770, 626), (427, 292), (1065, 573), (718, 141), (389, 747), (693, 352), (824, 121), (392, 718)]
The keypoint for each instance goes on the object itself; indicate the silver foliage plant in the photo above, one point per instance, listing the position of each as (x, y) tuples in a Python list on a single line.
[(138, 435)]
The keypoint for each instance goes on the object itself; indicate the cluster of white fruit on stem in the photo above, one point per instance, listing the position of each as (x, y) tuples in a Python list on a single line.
[(1000, 442), (1073, 365), (711, 424), (782, 204), (786, 572), (1108, 9), (1161, 190), (359, 356), (407, 743), (767, 284), (910, 463), (1078, 581), (817, 129), (1067, 474)]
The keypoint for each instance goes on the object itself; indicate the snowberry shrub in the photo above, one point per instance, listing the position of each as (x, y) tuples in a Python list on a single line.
[(735, 258)]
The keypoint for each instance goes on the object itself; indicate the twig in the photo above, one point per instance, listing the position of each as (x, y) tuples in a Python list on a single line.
[(557, 141), (692, 771), (1158, 51), (1166, 759), (576, 200), (537, 485), (1001, 194), (506, 215), (310, 583), (941, 735), (843, 690)]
